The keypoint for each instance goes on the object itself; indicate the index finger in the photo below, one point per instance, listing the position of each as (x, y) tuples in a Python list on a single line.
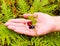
[(19, 20)]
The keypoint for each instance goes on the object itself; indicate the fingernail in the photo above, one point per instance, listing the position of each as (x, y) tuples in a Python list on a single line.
[(6, 24)]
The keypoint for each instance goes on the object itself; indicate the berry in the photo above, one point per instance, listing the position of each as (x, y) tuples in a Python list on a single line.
[(31, 27), (29, 23)]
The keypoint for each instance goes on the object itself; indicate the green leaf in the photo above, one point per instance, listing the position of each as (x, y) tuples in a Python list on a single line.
[(23, 7), (33, 19)]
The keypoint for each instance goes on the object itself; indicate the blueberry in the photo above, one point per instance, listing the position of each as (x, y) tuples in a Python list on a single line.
[(31, 27)]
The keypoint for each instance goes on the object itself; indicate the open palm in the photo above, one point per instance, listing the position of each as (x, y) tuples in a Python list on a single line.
[(44, 25)]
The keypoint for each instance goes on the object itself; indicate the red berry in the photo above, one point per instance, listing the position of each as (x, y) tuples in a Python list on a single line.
[(29, 23)]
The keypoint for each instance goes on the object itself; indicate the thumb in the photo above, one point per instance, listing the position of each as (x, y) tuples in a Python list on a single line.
[(26, 15)]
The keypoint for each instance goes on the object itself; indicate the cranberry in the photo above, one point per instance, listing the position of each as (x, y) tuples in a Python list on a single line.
[(29, 23)]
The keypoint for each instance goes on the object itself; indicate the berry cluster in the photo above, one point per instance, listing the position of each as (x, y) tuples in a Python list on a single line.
[(30, 25)]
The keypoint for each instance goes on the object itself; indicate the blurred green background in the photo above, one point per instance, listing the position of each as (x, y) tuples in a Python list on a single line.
[(10, 9)]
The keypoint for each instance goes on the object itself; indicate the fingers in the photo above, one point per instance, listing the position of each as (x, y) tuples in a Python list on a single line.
[(40, 17), (19, 20), (14, 27), (35, 14), (20, 28), (26, 32), (14, 24), (26, 15)]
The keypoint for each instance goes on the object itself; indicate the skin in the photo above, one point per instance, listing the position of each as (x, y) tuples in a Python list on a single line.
[(45, 24)]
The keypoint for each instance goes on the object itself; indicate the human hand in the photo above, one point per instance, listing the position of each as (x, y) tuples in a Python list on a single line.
[(44, 25)]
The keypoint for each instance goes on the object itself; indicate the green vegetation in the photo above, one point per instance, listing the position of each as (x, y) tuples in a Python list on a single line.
[(10, 9)]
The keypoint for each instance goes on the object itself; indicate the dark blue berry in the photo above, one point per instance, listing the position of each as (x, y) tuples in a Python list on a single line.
[(31, 27)]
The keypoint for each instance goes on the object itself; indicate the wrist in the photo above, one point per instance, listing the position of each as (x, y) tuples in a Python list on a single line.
[(57, 23)]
